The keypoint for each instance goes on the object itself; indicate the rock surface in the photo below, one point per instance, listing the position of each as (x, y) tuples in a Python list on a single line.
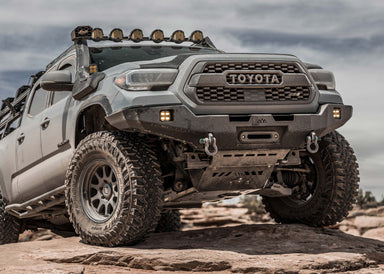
[(264, 248), (246, 244)]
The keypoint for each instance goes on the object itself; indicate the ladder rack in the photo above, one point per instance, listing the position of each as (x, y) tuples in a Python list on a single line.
[(12, 109)]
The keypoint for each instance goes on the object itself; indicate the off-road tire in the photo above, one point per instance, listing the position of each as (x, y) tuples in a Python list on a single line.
[(169, 221), (9, 226), (140, 190), (335, 192)]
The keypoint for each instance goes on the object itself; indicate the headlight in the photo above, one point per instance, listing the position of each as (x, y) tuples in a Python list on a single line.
[(146, 79), (324, 79)]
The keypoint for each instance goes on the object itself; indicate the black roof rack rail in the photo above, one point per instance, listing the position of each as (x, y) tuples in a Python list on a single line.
[(12, 108)]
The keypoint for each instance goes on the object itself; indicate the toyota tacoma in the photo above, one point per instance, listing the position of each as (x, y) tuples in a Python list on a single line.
[(121, 131)]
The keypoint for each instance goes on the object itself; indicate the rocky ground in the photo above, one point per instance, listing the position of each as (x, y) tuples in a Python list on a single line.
[(222, 239)]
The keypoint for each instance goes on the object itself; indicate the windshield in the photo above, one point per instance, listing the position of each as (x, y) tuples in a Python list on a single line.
[(107, 57)]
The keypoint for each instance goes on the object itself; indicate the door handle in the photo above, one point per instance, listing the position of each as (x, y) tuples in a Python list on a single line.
[(21, 138), (45, 123)]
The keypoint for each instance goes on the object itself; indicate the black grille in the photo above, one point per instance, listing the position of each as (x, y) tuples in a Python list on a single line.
[(233, 95), (221, 67), (287, 94), (220, 94)]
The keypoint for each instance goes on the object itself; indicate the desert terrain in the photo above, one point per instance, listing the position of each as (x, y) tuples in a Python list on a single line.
[(216, 239)]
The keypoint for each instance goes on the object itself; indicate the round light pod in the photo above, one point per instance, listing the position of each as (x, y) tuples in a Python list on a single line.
[(196, 37), (178, 36), (97, 34), (157, 36), (83, 30), (136, 35), (116, 35)]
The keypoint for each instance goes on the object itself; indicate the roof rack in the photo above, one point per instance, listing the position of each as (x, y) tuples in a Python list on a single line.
[(82, 33), (12, 108)]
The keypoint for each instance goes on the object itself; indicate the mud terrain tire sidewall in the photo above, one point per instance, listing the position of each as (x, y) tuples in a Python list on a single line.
[(336, 187), (169, 221), (140, 192), (9, 226)]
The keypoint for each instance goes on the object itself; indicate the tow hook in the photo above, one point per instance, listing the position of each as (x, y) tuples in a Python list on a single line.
[(209, 143), (312, 143)]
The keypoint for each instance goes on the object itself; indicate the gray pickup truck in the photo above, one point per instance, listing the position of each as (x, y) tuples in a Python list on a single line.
[(120, 132)]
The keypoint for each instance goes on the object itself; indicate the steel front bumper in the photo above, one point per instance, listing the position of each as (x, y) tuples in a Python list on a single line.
[(231, 131)]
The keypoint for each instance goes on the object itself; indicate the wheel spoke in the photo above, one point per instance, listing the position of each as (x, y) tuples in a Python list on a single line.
[(104, 172), (112, 203), (106, 209), (96, 197), (100, 181), (99, 206), (115, 190), (110, 175)]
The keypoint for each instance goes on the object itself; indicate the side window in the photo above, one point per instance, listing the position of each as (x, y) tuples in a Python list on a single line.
[(60, 95), (39, 101)]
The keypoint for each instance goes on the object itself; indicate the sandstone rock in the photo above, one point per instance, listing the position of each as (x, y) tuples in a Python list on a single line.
[(258, 248), (379, 211), (363, 223), (39, 235), (355, 213), (376, 233), (350, 230), (249, 248)]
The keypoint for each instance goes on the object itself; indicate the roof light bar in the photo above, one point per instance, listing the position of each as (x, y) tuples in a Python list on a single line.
[(81, 32), (116, 35), (97, 34), (178, 36), (157, 36), (196, 37), (136, 35)]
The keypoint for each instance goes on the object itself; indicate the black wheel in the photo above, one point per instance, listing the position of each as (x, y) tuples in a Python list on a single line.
[(9, 226), (169, 221), (328, 190), (114, 190)]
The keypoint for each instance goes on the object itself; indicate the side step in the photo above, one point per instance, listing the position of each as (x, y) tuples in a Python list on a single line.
[(36, 206)]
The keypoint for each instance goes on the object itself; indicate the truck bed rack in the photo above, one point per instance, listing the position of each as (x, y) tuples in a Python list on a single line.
[(12, 108)]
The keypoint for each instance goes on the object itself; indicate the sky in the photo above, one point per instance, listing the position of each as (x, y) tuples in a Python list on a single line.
[(344, 36)]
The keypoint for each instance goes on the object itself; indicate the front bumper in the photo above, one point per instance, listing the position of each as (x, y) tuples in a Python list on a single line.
[(287, 131)]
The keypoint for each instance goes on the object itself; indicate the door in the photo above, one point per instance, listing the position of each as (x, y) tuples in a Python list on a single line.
[(55, 145), (28, 146), (54, 141)]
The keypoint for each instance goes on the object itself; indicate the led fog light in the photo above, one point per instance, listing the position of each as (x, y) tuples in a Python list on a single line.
[(166, 115), (336, 113)]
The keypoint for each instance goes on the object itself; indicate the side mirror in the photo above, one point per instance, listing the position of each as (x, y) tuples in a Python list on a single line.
[(57, 81)]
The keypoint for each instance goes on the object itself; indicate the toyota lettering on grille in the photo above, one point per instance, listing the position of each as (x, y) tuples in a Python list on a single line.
[(254, 78)]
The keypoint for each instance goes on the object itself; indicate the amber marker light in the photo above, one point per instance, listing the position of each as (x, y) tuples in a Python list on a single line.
[(116, 35), (336, 113), (196, 37), (120, 80), (92, 69), (166, 116), (136, 35), (157, 36), (178, 36), (97, 34)]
